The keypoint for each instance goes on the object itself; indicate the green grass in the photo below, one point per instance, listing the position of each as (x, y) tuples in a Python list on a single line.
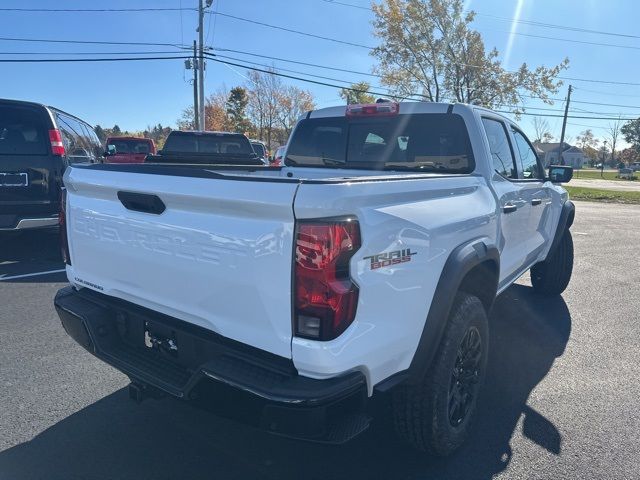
[(595, 175), (599, 195)]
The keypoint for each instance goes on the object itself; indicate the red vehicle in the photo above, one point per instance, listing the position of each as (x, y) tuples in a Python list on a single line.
[(128, 149)]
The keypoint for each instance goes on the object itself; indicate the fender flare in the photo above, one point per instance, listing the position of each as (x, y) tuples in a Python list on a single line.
[(460, 262), (567, 214)]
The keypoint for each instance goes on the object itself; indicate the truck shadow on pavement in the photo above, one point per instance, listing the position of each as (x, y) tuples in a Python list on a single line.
[(30, 252), (115, 438)]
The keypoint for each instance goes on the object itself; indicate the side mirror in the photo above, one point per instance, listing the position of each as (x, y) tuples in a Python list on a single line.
[(560, 173), (111, 150)]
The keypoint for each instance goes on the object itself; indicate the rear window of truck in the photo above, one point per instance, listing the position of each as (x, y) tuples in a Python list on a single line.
[(21, 132), (131, 146), (209, 144), (419, 142)]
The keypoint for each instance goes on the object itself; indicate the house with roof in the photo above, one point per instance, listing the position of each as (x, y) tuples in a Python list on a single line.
[(549, 153)]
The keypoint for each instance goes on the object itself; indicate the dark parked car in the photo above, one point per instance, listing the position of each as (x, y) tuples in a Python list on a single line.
[(215, 148), (261, 150), (37, 143)]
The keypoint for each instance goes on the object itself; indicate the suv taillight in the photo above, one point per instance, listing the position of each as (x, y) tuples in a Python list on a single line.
[(57, 147), (62, 221), (325, 296)]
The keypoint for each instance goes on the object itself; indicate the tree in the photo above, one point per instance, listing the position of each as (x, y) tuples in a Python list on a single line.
[(586, 139), (547, 137), (102, 136), (428, 48), (294, 102), (629, 155), (265, 90), (631, 132), (613, 130), (116, 130), (541, 130), (236, 108), (215, 113), (357, 93)]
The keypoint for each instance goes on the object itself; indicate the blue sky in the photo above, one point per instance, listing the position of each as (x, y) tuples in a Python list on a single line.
[(137, 94)]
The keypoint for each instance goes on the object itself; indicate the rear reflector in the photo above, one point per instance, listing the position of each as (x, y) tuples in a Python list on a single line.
[(373, 109), (325, 297), (57, 147)]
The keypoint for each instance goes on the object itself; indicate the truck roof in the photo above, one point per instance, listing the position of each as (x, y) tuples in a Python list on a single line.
[(406, 108)]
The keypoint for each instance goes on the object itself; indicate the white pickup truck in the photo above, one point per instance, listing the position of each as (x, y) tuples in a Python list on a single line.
[(368, 263)]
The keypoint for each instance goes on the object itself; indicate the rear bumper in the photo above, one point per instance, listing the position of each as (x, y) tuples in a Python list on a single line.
[(251, 385), (31, 223)]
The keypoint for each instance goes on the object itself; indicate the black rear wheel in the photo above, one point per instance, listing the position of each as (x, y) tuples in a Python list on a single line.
[(435, 415)]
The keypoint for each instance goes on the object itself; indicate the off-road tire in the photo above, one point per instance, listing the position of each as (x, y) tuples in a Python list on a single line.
[(552, 276), (421, 410)]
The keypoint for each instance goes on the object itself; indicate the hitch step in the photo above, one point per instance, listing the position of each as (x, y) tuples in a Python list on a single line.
[(137, 392)]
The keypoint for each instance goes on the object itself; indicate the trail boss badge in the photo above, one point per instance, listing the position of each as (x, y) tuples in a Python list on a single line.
[(387, 259)]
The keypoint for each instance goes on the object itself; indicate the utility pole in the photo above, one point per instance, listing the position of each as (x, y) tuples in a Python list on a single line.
[(564, 125), (203, 125), (196, 114)]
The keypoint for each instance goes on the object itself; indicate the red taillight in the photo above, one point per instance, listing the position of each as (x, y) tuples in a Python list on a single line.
[(325, 296), (62, 222), (373, 109), (57, 147)]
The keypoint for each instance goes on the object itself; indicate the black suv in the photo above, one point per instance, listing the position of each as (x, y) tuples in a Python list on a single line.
[(37, 143)]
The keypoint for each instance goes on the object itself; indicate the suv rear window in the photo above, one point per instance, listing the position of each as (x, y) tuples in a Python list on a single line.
[(131, 146), (21, 132), (211, 144), (421, 142)]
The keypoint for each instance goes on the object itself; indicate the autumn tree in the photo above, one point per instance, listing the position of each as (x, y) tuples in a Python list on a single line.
[(428, 48), (631, 133), (357, 93), (215, 113), (294, 102), (236, 108), (629, 156)]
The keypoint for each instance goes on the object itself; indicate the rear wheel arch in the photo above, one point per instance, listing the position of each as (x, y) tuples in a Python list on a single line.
[(472, 267)]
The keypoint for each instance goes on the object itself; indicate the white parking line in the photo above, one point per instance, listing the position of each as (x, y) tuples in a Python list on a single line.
[(31, 274)]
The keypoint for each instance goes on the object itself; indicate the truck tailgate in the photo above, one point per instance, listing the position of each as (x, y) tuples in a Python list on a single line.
[(219, 254)]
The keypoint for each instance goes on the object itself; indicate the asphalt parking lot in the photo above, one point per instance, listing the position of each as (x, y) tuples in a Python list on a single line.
[(561, 400)]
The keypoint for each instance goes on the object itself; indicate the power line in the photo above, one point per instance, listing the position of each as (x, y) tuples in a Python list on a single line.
[(337, 69), (155, 52), (89, 42), (380, 76), (411, 96), (534, 23), (93, 10), (298, 32), (72, 60)]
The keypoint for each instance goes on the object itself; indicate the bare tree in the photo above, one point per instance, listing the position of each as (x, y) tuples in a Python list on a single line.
[(541, 129), (265, 90), (614, 133)]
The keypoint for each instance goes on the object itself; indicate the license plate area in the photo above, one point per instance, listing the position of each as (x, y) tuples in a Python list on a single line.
[(14, 179)]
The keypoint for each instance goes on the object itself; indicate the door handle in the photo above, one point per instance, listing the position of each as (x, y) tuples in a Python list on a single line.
[(536, 201), (509, 208), (142, 202)]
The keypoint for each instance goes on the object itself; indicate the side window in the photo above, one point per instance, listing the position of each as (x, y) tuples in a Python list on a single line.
[(73, 138), (526, 156), (500, 149)]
